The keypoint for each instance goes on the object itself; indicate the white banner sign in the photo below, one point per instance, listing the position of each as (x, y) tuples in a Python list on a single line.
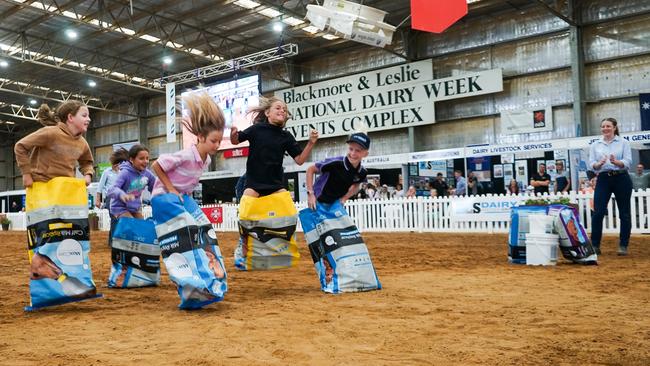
[(516, 122), (394, 97), (170, 105)]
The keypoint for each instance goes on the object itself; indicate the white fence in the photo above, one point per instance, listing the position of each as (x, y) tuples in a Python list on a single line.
[(426, 214)]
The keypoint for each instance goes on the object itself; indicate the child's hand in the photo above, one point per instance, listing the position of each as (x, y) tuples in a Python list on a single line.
[(127, 197), (27, 180), (313, 136), (174, 191), (234, 137), (89, 179), (311, 201)]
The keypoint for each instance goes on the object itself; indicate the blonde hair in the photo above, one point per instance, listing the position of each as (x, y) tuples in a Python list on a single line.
[(47, 117), (263, 106), (205, 115)]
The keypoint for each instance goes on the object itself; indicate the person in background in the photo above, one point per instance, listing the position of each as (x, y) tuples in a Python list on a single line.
[(513, 187), (383, 192), (472, 184), (106, 182), (640, 180), (541, 180), (611, 157), (461, 184), (371, 191), (411, 193), (440, 185), (399, 190), (562, 181)]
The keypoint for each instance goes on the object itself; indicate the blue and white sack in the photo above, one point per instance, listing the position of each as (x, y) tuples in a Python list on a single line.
[(190, 251), (135, 254), (340, 256), (58, 243)]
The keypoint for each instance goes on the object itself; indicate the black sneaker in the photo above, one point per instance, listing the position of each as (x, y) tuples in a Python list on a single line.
[(597, 249), (622, 251)]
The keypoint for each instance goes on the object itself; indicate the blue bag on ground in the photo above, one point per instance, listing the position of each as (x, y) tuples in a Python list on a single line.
[(58, 243), (190, 251), (340, 256), (574, 241), (519, 227), (135, 254)]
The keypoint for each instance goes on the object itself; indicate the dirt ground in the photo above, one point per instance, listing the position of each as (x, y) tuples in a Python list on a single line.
[(447, 299)]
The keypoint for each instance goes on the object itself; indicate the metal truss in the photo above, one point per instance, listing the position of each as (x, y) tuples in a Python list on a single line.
[(235, 64), (18, 111), (89, 62), (60, 96)]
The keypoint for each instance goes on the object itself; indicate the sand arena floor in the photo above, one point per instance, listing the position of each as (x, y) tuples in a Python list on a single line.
[(447, 299)]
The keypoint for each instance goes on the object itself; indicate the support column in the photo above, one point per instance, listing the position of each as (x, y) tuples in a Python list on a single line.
[(578, 72)]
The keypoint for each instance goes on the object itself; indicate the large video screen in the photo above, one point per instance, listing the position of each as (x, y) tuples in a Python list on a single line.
[(234, 97)]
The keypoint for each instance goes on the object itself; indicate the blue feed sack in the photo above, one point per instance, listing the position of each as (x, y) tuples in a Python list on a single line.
[(135, 254), (340, 256), (190, 251), (58, 243)]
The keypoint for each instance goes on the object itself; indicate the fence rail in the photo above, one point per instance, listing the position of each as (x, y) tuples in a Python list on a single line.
[(437, 214)]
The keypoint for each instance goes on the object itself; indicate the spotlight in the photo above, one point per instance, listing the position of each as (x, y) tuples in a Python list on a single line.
[(4, 63), (278, 27), (33, 101), (167, 60), (92, 83), (71, 34)]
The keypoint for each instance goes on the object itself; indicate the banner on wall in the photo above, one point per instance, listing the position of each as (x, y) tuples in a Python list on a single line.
[(394, 97), (432, 168), (526, 121), (170, 107)]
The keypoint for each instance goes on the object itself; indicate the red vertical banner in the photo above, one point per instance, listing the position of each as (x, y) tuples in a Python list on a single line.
[(436, 15), (214, 214)]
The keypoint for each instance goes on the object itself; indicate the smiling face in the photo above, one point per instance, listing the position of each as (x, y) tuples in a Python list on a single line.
[(277, 113), (79, 122), (607, 128), (355, 153), (141, 161)]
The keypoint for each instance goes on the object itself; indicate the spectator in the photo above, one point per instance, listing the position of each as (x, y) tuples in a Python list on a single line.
[(541, 180), (472, 184), (399, 191), (562, 181), (461, 184), (513, 187), (440, 185), (640, 180), (411, 192)]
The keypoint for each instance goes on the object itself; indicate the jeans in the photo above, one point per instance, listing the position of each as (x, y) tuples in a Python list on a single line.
[(112, 229), (621, 186)]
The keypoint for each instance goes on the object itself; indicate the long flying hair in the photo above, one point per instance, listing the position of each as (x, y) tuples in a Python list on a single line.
[(205, 115), (263, 106)]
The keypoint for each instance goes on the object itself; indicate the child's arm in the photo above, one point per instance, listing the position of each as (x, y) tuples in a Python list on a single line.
[(23, 151), (160, 173), (313, 137), (86, 164), (309, 183), (351, 192), (116, 192), (234, 135)]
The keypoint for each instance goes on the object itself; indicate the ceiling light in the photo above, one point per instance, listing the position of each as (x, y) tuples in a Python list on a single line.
[(278, 27), (71, 34), (92, 83), (167, 60), (10, 122), (33, 101), (4, 63)]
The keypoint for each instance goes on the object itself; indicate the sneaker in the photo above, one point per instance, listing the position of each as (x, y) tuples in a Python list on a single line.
[(597, 249), (622, 251)]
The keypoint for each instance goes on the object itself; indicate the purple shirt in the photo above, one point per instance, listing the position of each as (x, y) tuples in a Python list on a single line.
[(183, 168)]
